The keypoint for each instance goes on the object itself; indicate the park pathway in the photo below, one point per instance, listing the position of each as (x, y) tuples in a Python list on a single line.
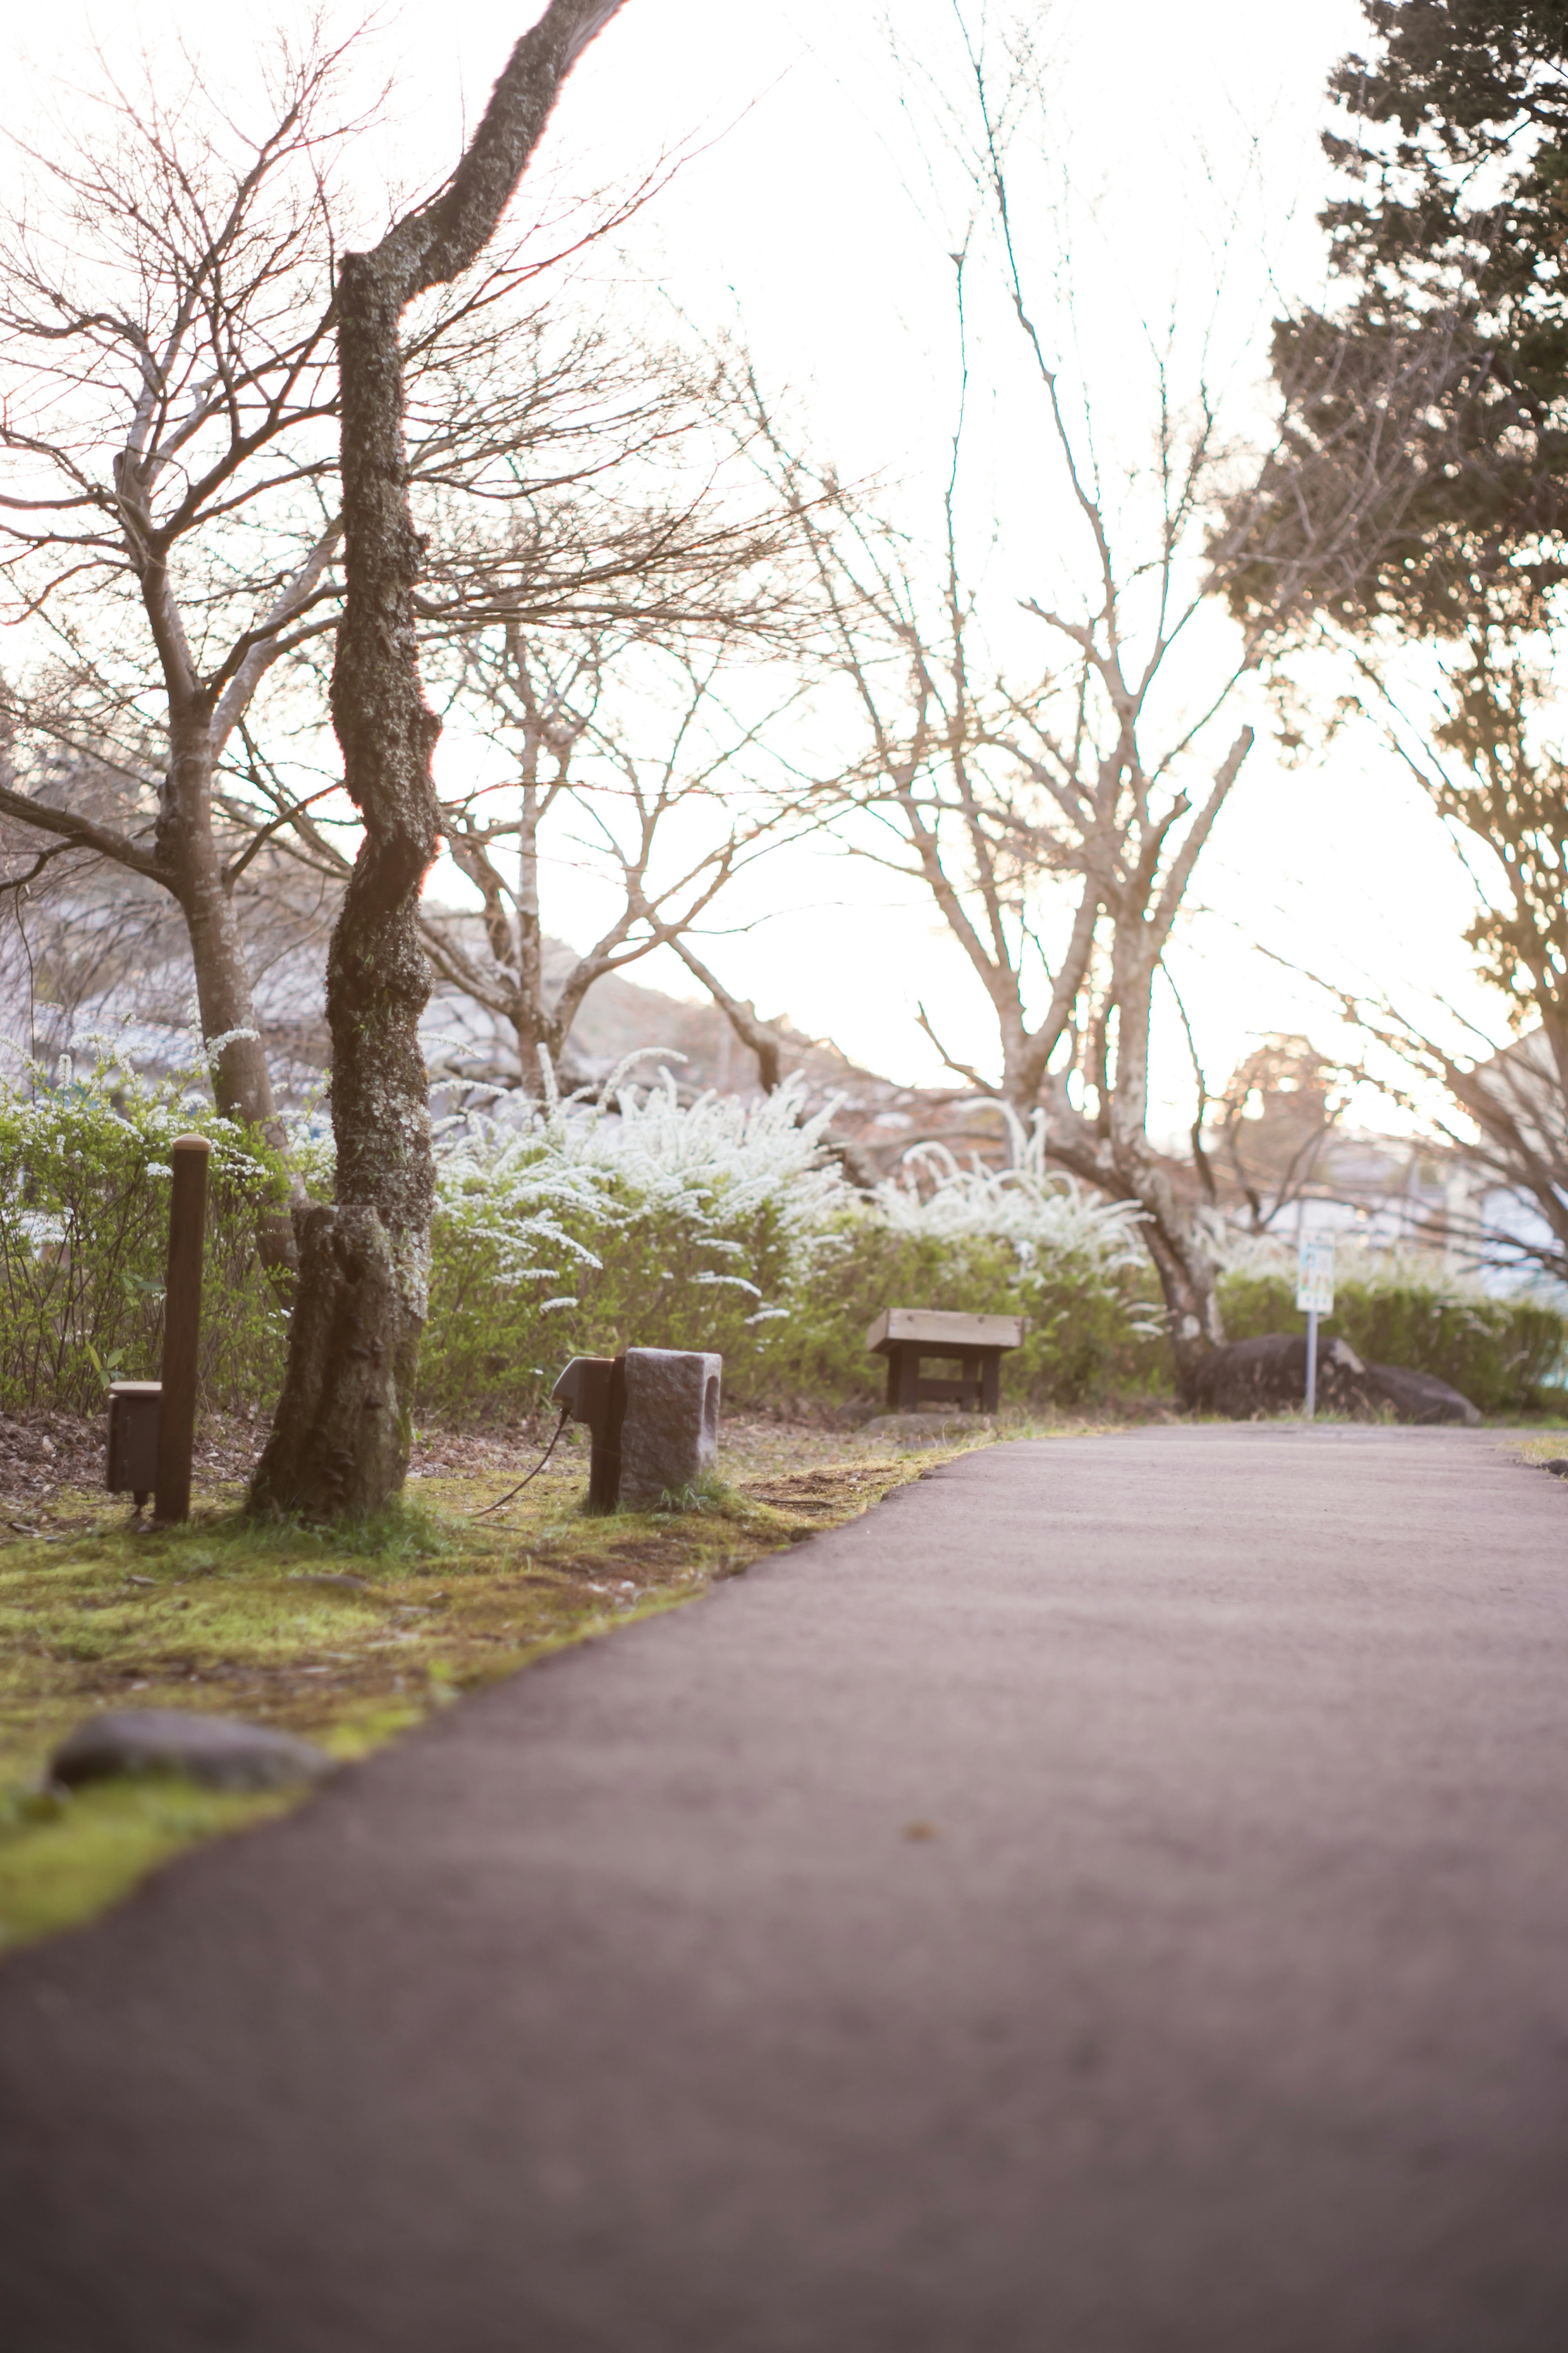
[(1111, 1899)]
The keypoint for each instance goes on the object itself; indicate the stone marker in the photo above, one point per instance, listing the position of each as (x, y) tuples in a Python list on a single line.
[(669, 1436), (217, 1750)]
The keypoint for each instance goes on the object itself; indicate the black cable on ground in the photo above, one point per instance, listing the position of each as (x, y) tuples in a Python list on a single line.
[(566, 1417)]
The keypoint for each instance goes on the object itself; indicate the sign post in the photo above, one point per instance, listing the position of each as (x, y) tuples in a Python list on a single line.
[(1314, 1297)]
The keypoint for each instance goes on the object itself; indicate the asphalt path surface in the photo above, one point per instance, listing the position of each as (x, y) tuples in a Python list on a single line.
[(1113, 1898)]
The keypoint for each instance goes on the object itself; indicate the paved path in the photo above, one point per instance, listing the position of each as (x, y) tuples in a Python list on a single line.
[(623, 2012)]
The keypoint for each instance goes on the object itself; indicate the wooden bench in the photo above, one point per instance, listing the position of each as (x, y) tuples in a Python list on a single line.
[(906, 1336)]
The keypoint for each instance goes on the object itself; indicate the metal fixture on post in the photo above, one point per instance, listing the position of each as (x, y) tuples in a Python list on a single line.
[(592, 1390), (132, 1467), (181, 1327)]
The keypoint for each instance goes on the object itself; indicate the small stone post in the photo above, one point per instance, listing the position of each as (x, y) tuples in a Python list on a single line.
[(181, 1327), (670, 1437), (654, 1417)]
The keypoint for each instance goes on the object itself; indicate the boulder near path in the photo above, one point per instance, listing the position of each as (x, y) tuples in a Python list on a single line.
[(1112, 1898)]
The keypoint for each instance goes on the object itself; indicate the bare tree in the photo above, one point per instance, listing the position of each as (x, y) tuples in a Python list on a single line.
[(170, 531), (615, 804), (1056, 845), (1480, 750), (620, 758), (765, 1039), (1054, 807), (339, 1441), (168, 374)]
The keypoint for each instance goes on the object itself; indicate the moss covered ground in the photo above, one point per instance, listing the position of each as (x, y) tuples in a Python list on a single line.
[(348, 1636)]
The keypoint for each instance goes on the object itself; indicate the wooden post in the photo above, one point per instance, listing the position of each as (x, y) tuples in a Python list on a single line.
[(181, 1327), (605, 1461), (593, 1389)]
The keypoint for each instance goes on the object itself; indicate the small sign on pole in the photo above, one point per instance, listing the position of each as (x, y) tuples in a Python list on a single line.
[(1314, 1297)]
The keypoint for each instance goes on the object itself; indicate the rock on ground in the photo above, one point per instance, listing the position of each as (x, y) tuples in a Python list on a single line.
[(219, 1751), (1269, 1376)]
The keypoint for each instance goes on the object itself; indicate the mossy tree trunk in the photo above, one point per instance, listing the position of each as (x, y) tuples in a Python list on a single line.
[(340, 1439)]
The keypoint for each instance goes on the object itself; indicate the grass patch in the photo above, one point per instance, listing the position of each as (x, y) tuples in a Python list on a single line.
[(348, 1636), (1550, 1446), (66, 1855)]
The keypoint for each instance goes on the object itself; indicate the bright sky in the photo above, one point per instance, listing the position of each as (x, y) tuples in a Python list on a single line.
[(1189, 136)]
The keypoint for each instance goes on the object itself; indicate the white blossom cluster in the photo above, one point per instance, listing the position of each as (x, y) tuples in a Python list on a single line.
[(720, 1164), (1039, 1213), (636, 1153)]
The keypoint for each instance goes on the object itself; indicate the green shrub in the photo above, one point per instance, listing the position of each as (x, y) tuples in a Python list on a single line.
[(719, 1226), (84, 1217), (585, 1228), (1087, 1337), (575, 1231), (1497, 1352)]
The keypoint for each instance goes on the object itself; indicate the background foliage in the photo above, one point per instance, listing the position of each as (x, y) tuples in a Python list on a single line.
[(1405, 1308), (84, 1222), (585, 1228), (581, 1228)]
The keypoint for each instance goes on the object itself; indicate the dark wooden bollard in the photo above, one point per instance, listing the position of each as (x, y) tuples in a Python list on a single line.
[(592, 1390), (181, 1327)]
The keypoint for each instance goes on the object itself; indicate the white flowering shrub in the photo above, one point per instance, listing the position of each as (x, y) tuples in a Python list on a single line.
[(84, 1215), (1032, 1208), (634, 1154), (582, 1228), (561, 1229)]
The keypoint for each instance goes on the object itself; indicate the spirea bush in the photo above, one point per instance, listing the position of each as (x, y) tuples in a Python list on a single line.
[(580, 1229), (84, 1218), (1408, 1307)]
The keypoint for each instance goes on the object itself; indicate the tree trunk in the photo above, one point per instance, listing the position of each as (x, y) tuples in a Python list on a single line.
[(1113, 1151), (340, 1442), (340, 1439), (352, 1354), (242, 1084), (1125, 1168), (1188, 1277), (531, 1022)]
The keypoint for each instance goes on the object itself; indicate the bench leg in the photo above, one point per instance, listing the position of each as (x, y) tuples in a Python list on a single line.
[(990, 1380)]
